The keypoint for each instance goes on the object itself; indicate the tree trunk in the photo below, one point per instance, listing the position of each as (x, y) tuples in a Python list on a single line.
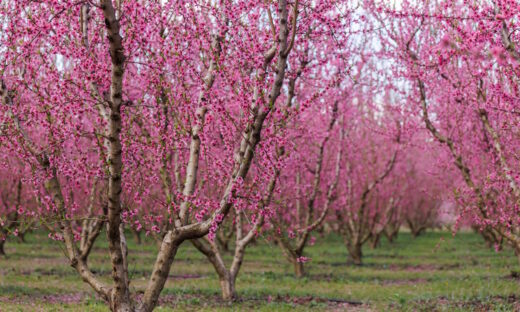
[(391, 237), (120, 304), (417, 231), (2, 250), (137, 237), (394, 234), (292, 255), (374, 242), (120, 294), (492, 240), (299, 271), (226, 277), (356, 253), (391, 233), (517, 251), (499, 244), (21, 237), (489, 241), (227, 284), (160, 272), (414, 230), (120, 297)]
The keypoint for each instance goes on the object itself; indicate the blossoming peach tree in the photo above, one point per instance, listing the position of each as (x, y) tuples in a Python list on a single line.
[(172, 106)]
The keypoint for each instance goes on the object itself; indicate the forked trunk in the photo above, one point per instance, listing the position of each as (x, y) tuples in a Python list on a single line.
[(417, 231), (498, 245), (374, 242), (391, 233), (293, 256), (491, 238), (489, 242), (390, 237), (226, 276)]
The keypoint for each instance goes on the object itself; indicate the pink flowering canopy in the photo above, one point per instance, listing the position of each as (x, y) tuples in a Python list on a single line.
[(461, 81), (173, 117)]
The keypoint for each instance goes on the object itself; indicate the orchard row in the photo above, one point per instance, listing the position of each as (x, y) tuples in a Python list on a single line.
[(210, 122)]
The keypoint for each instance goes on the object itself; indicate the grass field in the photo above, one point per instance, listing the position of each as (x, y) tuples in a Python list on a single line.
[(435, 272)]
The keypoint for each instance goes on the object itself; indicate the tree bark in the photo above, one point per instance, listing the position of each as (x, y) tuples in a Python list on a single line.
[(375, 240), (161, 270), (21, 237), (2, 250), (356, 253), (53, 187), (492, 240), (226, 277), (516, 248), (416, 232), (120, 297), (391, 234), (227, 285), (299, 270), (137, 236)]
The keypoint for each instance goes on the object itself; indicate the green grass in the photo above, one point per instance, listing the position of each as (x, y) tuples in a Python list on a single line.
[(435, 272)]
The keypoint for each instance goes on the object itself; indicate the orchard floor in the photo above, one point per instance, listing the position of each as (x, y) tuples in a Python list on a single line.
[(434, 272)]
